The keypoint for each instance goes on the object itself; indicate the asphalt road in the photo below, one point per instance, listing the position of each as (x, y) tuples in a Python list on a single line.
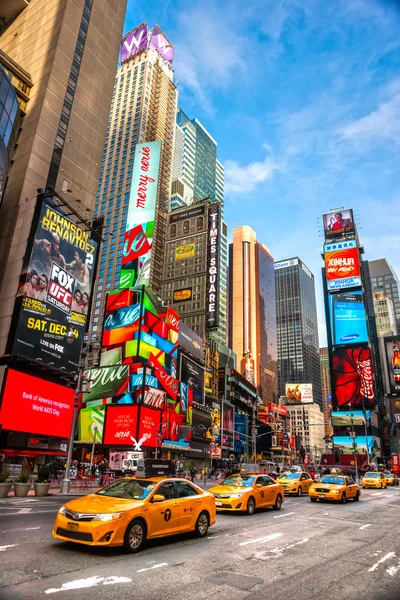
[(305, 551)]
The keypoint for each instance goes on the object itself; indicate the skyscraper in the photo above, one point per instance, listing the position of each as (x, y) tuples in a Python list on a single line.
[(326, 387), (384, 315), (69, 52), (197, 174), (297, 327), (252, 312), (143, 109), (385, 280)]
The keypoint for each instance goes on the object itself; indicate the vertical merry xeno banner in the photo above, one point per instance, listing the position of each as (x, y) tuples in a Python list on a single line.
[(138, 240)]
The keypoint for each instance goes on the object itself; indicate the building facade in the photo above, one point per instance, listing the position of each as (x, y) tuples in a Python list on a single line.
[(385, 280), (326, 388), (384, 315), (143, 109), (252, 312), (297, 327), (10, 117), (70, 50), (307, 423)]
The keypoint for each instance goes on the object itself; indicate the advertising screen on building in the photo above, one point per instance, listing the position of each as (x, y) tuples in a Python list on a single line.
[(348, 318), (212, 282), (343, 245), (193, 375), (91, 424), (183, 295), (201, 426), (194, 211), (345, 444), (352, 377), (338, 225), (190, 341), (121, 425), (138, 241), (347, 418), (149, 426), (106, 382), (162, 45), (134, 41), (299, 392), (342, 269), (392, 346), (185, 252), (34, 405), (54, 296)]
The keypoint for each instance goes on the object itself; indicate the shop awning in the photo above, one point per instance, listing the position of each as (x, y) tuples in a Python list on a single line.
[(33, 453)]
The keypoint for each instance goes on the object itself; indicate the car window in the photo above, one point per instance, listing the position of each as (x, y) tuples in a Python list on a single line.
[(268, 480), (167, 490), (304, 476), (185, 489)]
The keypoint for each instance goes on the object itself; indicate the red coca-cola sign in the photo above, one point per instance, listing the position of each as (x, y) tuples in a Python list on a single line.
[(121, 425)]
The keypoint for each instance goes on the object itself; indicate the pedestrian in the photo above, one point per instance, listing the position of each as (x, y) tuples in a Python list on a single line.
[(93, 470), (2, 461), (312, 473), (102, 468), (278, 470), (205, 475), (192, 474)]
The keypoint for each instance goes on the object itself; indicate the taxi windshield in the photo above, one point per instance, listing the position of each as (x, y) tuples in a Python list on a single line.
[(242, 481), (128, 488), (372, 475), (329, 479), (288, 475)]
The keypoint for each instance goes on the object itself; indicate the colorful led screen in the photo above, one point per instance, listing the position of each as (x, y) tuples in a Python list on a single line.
[(353, 377)]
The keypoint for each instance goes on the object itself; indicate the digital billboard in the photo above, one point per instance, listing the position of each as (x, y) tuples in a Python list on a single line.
[(149, 426), (190, 341), (106, 382), (54, 295), (201, 426), (338, 225), (348, 318), (183, 295), (363, 445), (347, 418), (162, 44), (34, 405), (342, 245), (138, 241), (212, 280), (184, 252), (352, 377), (193, 375), (299, 392), (91, 424), (392, 346), (121, 425), (342, 269)]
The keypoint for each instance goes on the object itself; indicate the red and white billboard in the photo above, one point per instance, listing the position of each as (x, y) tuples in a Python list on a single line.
[(121, 425), (149, 426), (342, 268), (34, 405)]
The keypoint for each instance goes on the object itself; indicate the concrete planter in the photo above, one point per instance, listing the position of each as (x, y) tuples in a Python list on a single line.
[(5, 489), (21, 489), (41, 489)]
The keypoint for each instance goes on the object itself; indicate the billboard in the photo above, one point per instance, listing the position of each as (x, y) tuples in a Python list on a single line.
[(201, 426), (343, 245), (194, 211), (34, 405), (299, 392), (212, 280), (106, 382), (121, 425), (347, 418), (91, 424), (138, 240), (182, 295), (392, 346), (338, 225), (190, 341), (352, 377), (149, 426), (348, 318), (54, 295), (134, 41), (162, 45), (184, 252), (342, 269), (193, 375), (363, 444), (284, 264)]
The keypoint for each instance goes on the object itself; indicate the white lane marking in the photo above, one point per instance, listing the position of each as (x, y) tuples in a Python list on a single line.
[(263, 539), (3, 548), (78, 584), (285, 515), (278, 551), (23, 511), (153, 567), (31, 528), (383, 559), (365, 526)]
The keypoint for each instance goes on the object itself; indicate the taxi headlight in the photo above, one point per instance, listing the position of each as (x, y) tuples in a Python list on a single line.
[(109, 516), (335, 491), (63, 510), (236, 495)]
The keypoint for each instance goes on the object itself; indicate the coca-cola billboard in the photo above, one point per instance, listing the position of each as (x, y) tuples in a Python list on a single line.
[(121, 425), (107, 382), (353, 379)]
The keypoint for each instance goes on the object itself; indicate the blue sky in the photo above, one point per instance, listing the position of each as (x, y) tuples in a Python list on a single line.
[(303, 98)]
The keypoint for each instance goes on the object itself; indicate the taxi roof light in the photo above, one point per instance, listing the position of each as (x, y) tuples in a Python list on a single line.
[(153, 467)]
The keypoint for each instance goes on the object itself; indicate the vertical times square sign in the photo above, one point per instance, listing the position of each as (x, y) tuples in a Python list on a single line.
[(212, 285)]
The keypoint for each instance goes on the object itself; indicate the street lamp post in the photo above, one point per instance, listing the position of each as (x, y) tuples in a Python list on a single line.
[(353, 436)]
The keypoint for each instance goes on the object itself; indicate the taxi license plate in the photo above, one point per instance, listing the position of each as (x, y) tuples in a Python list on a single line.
[(72, 526), (218, 503), (321, 495)]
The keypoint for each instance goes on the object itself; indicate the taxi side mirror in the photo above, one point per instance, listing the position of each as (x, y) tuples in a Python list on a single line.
[(158, 498), (258, 485)]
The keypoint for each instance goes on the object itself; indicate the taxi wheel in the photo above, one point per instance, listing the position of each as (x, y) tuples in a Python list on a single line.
[(357, 497), (343, 498), (251, 506), (135, 536), (313, 499), (299, 491), (278, 502), (202, 524)]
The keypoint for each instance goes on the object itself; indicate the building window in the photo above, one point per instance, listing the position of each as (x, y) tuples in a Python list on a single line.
[(199, 223), (172, 230), (186, 227)]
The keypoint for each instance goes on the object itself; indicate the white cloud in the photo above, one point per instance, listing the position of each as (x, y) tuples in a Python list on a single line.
[(382, 123), (242, 179)]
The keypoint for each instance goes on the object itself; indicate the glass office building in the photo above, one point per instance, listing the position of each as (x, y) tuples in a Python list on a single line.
[(297, 327), (385, 280)]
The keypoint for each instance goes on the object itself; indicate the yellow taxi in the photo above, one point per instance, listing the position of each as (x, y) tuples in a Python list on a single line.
[(335, 487), (134, 509), (295, 482), (374, 479), (391, 479), (247, 491)]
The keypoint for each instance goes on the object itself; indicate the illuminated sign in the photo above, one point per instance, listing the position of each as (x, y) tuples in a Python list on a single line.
[(182, 295), (342, 269), (184, 252), (284, 264), (120, 424), (106, 382), (392, 345), (134, 41), (137, 380), (190, 341), (352, 377), (346, 418), (299, 392), (344, 245), (338, 225), (212, 283), (91, 424), (348, 318), (195, 211)]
